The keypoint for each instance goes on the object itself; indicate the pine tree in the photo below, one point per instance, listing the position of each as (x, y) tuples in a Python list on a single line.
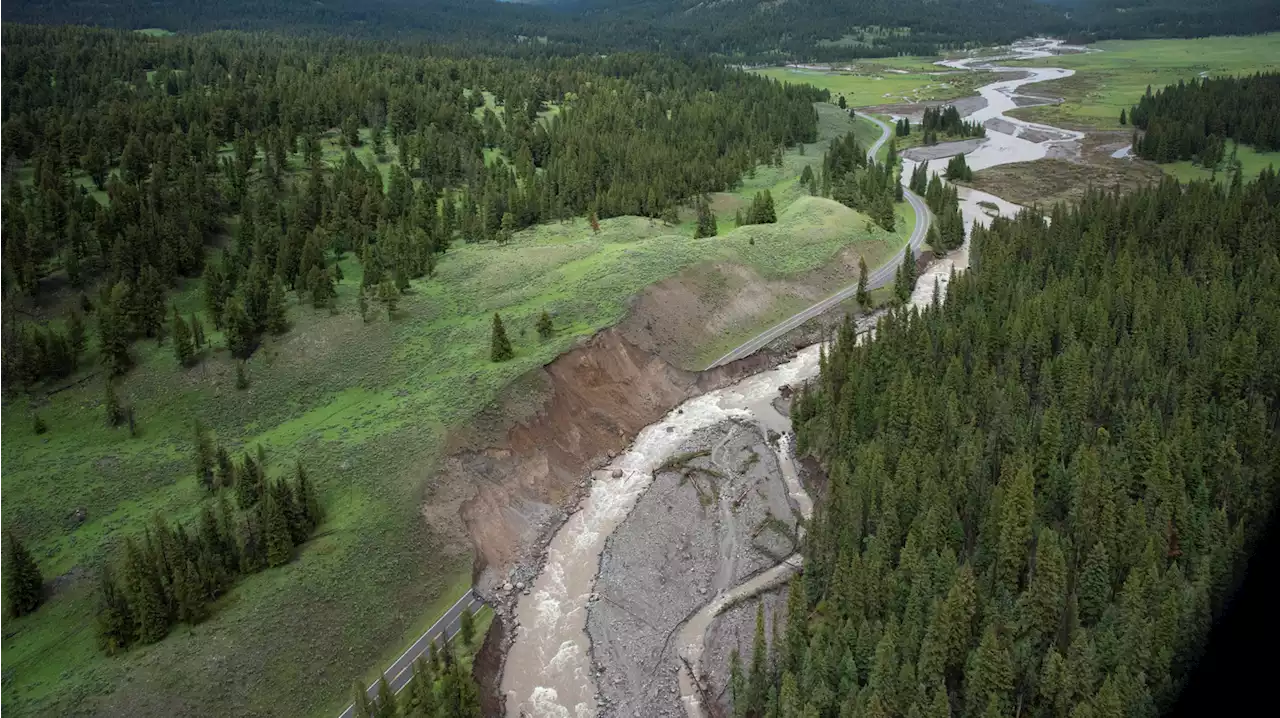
[(279, 540), (363, 708), (545, 327), (737, 686), (24, 586), (240, 336), (277, 320), (1123, 119), (863, 296), (183, 347), (1017, 509), (115, 621), (197, 332), (466, 627), (1045, 597), (307, 500), (989, 674), (905, 280), (758, 679), (388, 296), (385, 707), (499, 346), (351, 131), (706, 226), (1094, 588)]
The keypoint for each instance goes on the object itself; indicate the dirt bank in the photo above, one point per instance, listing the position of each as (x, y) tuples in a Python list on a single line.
[(570, 416), (717, 514), (675, 317)]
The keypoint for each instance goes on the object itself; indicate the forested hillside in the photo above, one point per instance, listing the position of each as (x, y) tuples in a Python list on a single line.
[(178, 136), (1104, 19), (1194, 119), (1039, 491), (750, 30)]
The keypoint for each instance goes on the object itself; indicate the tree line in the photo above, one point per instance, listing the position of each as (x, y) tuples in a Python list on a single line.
[(947, 230), (1039, 492), (1192, 120), (173, 573), (442, 687), (868, 186), (944, 121)]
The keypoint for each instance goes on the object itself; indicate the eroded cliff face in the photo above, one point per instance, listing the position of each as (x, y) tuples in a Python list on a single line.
[(589, 405)]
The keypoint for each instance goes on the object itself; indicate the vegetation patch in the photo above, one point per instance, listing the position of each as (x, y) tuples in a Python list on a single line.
[(1107, 82)]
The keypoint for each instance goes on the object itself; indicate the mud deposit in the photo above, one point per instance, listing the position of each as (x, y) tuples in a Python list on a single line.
[(716, 513)]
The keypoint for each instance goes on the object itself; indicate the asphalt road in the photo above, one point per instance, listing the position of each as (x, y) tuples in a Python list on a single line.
[(401, 672), (879, 277)]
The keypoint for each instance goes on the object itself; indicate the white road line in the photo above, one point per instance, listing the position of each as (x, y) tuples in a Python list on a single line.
[(471, 601)]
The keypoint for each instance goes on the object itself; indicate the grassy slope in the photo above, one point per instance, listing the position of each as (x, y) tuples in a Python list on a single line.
[(1251, 163), (366, 406), (1107, 82), (876, 83)]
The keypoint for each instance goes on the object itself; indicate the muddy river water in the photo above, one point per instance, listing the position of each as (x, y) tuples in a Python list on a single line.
[(548, 670)]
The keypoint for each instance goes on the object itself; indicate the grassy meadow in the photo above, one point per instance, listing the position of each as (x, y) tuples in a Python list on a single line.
[(884, 81), (1251, 163), (366, 406), (1112, 80)]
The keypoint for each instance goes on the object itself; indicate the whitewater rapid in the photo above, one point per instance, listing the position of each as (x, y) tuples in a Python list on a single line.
[(548, 671)]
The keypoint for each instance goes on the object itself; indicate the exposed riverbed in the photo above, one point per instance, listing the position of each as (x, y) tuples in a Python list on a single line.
[(653, 635)]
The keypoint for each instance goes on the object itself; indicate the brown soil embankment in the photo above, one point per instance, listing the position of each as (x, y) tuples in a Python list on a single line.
[(594, 401), (516, 475)]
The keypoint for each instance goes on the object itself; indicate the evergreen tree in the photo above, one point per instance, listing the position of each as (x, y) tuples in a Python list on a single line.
[(279, 540), (183, 348), (277, 320), (363, 708), (466, 628), (863, 296), (115, 621), (499, 346), (905, 280), (385, 707), (240, 335), (706, 226), (388, 296), (545, 327), (989, 675), (24, 586), (758, 679)]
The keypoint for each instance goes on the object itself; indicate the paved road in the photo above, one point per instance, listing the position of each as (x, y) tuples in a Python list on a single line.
[(448, 625), (879, 277)]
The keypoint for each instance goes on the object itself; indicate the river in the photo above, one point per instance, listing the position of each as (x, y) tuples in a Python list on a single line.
[(548, 672)]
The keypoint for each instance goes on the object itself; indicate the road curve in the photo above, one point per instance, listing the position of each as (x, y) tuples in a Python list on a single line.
[(448, 626), (879, 277)]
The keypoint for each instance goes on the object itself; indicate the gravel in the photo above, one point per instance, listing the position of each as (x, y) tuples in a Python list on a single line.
[(717, 514)]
